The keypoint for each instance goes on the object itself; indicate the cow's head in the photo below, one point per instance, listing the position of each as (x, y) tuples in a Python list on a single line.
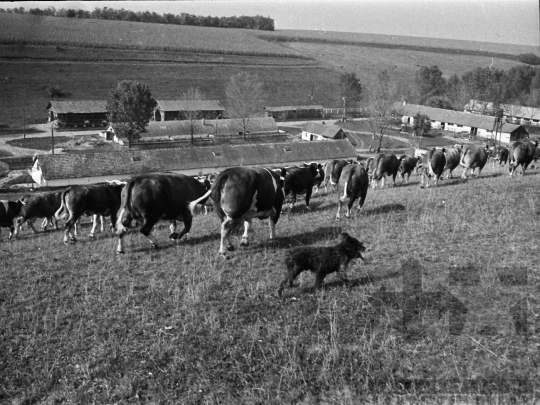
[(313, 168)]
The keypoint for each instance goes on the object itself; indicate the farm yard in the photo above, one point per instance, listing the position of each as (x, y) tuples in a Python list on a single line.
[(182, 325)]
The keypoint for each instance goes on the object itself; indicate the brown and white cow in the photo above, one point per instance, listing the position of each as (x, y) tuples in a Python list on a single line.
[(241, 194), (332, 171), (39, 206), (9, 211), (152, 197), (96, 199), (473, 157), (299, 180), (385, 165), (453, 157), (522, 153), (407, 166), (433, 164), (353, 184)]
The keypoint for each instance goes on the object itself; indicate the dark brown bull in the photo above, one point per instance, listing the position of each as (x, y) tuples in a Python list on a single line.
[(433, 164), (332, 172), (96, 199), (299, 180), (39, 206), (407, 166), (354, 184), (473, 157), (385, 165), (241, 194), (453, 157), (152, 197)]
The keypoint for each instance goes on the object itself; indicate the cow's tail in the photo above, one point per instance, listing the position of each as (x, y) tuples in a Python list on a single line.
[(194, 203), (58, 214), (125, 203), (347, 182)]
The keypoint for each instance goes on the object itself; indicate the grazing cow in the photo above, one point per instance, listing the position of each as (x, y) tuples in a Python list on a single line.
[(39, 206), (498, 154), (385, 165), (354, 182), (433, 164), (453, 157), (473, 157), (150, 197), (332, 171), (241, 194), (407, 165), (96, 199), (522, 153), (299, 180), (9, 211)]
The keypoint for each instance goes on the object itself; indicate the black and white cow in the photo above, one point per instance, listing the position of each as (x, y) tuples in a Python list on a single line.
[(9, 211), (241, 194), (407, 166), (96, 199), (433, 164), (384, 165), (39, 206), (332, 172), (453, 157), (150, 198), (353, 184)]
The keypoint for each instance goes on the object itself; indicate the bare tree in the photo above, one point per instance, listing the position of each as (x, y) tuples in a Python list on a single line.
[(244, 92), (381, 97), (192, 108)]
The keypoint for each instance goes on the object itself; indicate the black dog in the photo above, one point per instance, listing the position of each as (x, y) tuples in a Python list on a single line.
[(321, 260)]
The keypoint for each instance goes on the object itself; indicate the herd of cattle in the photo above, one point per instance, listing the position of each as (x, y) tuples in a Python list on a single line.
[(240, 194)]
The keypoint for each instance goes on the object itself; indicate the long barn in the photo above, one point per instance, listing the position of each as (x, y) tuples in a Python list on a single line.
[(78, 113)]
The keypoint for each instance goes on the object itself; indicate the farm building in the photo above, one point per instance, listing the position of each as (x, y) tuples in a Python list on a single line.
[(178, 130), (89, 168), (78, 113), (515, 114), (293, 112), (171, 110), (313, 131), (461, 122)]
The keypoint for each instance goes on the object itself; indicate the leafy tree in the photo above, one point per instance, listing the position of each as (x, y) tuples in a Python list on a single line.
[(429, 82), (529, 58), (422, 125), (130, 107), (192, 115), (243, 91), (457, 93), (381, 97), (350, 89)]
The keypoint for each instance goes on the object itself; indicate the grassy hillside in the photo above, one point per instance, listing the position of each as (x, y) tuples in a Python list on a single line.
[(180, 325), (37, 53)]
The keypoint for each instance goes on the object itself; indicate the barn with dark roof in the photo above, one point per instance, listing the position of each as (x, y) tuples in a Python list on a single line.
[(88, 168), (293, 112), (78, 113), (171, 110)]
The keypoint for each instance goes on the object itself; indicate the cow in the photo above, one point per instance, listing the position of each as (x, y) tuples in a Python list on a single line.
[(498, 154), (332, 171), (433, 164), (354, 181), (407, 166), (319, 179), (522, 153), (96, 199), (385, 165), (453, 157), (149, 198), (9, 211), (473, 157), (241, 194), (299, 180), (39, 206)]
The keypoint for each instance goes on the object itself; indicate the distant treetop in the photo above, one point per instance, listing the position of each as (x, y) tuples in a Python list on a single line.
[(255, 23)]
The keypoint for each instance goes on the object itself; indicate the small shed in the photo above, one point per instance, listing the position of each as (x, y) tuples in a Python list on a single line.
[(172, 110), (313, 131), (293, 112), (78, 113)]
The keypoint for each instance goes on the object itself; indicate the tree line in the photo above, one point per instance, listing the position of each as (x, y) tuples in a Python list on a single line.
[(247, 22)]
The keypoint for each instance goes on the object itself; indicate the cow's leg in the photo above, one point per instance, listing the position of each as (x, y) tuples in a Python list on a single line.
[(11, 231), (349, 206), (146, 230), (383, 181), (361, 202), (68, 226), (172, 226), (124, 220), (245, 237), (308, 197), (30, 224), (338, 216), (94, 226), (188, 219), (226, 227), (272, 226)]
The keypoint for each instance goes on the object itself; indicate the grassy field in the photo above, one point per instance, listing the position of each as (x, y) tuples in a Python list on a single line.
[(172, 58), (180, 325)]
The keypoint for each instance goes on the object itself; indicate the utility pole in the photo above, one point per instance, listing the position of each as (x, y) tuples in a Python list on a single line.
[(24, 115), (52, 137), (344, 107)]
